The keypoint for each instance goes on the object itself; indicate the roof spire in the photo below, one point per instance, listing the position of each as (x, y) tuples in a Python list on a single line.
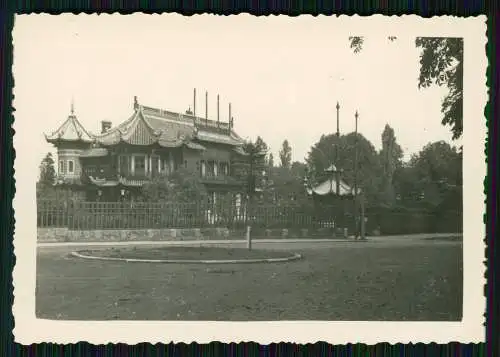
[(218, 111), (72, 106)]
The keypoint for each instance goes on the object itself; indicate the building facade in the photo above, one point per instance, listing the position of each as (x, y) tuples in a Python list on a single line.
[(151, 143)]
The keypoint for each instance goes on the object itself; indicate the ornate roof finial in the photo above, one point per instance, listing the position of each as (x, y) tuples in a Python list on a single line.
[(72, 106)]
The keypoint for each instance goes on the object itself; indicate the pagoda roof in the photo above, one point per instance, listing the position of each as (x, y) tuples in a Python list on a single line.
[(195, 146), (208, 136), (239, 150), (148, 126), (331, 168), (329, 187), (70, 130)]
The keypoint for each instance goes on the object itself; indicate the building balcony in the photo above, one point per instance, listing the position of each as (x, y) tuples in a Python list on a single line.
[(221, 179), (111, 176), (143, 176), (68, 179), (106, 175)]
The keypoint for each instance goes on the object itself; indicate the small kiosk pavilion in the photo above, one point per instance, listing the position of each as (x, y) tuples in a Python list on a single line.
[(335, 193)]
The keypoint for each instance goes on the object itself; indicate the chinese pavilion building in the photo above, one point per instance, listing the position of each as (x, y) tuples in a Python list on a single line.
[(152, 142)]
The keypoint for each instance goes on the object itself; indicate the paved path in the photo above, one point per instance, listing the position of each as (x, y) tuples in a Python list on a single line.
[(189, 242), (272, 243)]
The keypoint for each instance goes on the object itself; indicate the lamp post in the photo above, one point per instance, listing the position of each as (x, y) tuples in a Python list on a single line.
[(356, 115), (254, 156), (356, 216), (333, 172), (356, 198), (337, 175), (363, 217)]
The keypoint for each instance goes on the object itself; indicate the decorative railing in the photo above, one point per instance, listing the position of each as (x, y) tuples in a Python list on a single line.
[(222, 179), (140, 215), (107, 175), (68, 179), (224, 213), (212, 125), (145, 177)]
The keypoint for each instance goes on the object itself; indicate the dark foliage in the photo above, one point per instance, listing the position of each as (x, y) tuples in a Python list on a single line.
[(47, 171), (182, 186), (441, 63), (323, 154), (285, 155)]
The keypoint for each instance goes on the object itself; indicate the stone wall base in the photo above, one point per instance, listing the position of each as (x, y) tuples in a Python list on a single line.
[(170, 234)]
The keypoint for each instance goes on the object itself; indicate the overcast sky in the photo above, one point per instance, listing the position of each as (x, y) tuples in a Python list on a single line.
[(282, 75)]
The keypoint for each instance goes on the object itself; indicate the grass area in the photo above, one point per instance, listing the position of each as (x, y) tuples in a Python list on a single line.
[(336, 282), (185, 253)]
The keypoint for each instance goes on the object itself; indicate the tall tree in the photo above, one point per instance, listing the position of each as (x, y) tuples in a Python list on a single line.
[(431, 176), (439, 162), (250, 166), (270, 160), (261, 145), (441, 63), (298, 169), (322, 155), (357, 42), (285, 155), (47, 171), (285, 186), (406, 187), (390, 159)]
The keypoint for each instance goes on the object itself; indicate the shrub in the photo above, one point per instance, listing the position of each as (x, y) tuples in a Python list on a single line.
[(182, 186)]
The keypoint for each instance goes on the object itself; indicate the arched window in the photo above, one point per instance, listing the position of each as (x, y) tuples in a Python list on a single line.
[(62, 168), (71, 167)]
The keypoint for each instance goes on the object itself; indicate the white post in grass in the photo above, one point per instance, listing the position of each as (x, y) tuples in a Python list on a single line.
[(249, 238)]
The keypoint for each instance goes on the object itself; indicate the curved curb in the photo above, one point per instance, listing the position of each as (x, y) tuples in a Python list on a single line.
[(295, 256)]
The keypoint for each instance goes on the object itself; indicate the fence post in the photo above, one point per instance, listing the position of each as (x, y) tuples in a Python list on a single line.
[(249, 238), (362, 227)]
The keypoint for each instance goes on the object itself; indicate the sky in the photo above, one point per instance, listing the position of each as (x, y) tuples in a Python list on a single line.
[(282, 75)]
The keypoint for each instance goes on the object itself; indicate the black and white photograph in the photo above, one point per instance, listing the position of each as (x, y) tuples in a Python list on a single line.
[(247, 178)]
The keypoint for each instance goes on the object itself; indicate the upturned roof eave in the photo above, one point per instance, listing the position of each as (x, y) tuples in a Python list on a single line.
[(230, 142), (138, 118), (157, 142), (55, 140), (83, 134), (139, 115)]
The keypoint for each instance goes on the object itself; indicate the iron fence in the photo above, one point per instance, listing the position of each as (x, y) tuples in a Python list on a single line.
[(141, 215)]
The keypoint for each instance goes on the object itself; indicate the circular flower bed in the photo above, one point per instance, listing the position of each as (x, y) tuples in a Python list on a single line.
[(186, 255)]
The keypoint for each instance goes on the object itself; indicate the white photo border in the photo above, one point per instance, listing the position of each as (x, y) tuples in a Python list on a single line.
[(28, 329)]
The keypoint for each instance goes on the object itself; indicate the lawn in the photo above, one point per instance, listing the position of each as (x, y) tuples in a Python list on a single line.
[(354, 281), (184, 253)]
